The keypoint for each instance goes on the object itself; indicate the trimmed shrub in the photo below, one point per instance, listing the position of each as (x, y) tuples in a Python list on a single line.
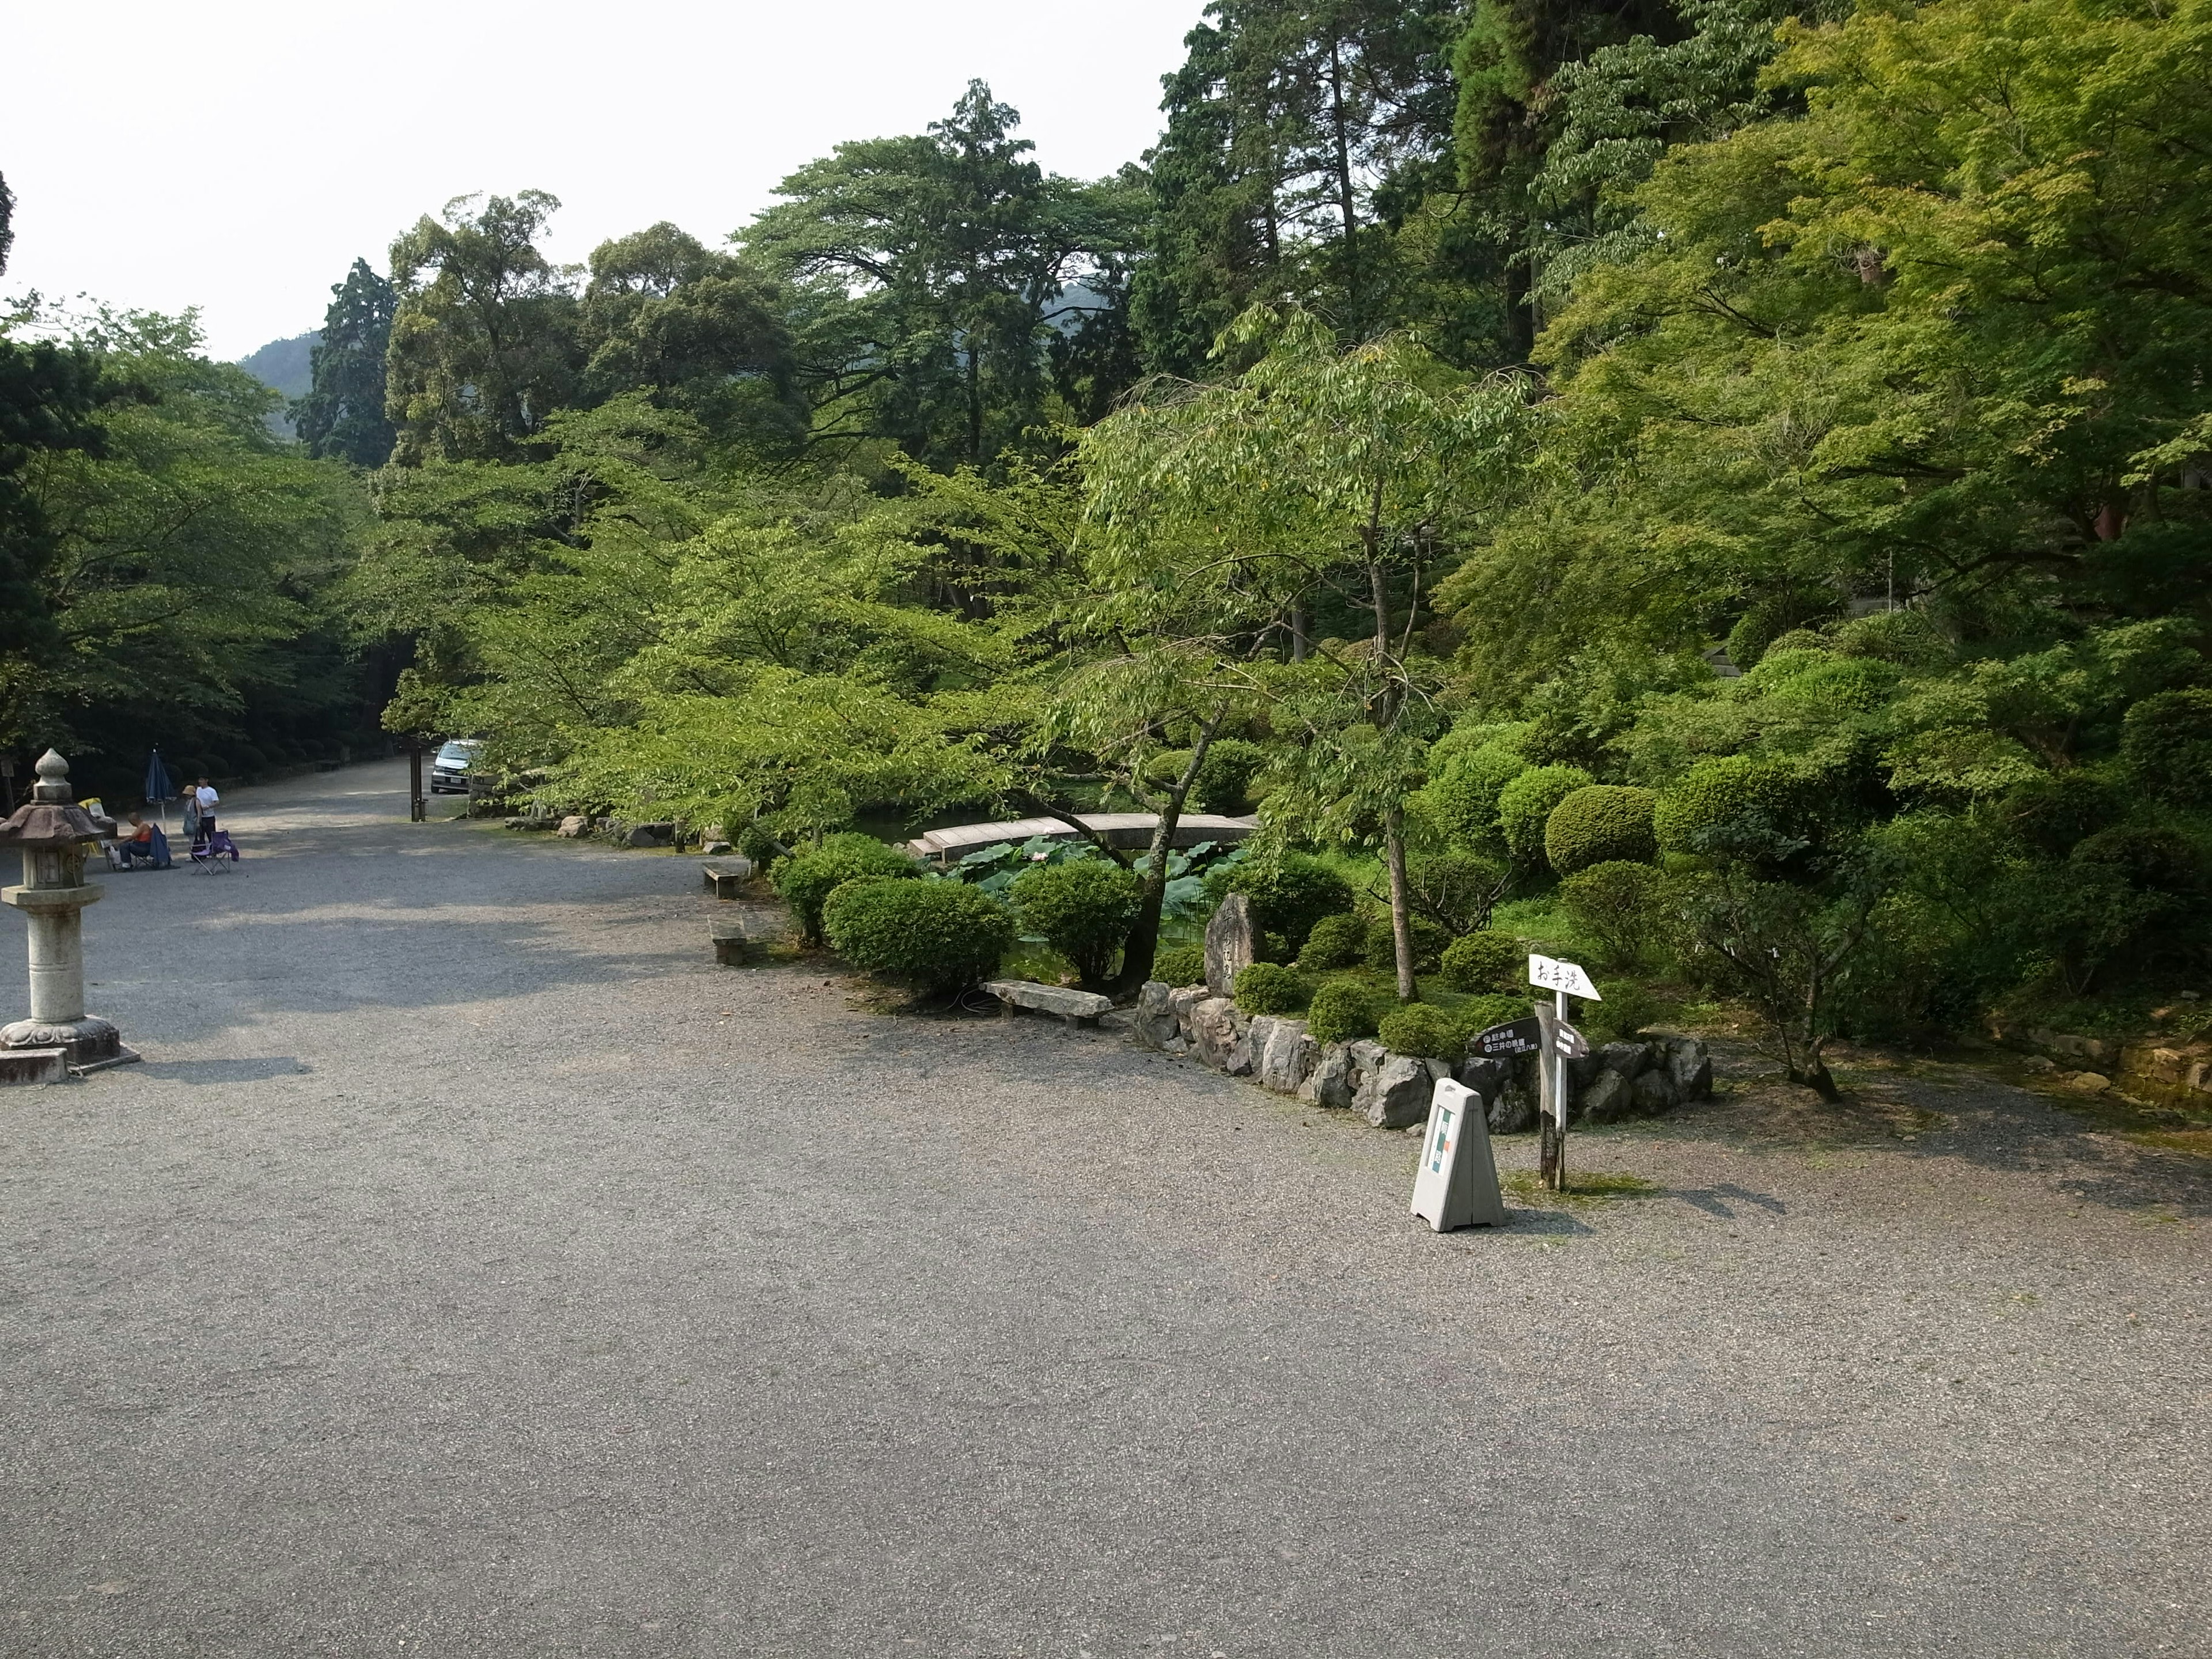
[(1180, 965), (1225, 778), (1455, 887), (1337, 941), (1342, 1009), (941, 935), (1488, 960), (1288, 894), (1599, 824), (1770, 617), (1627, 1010), (1082, 909), (2165, 741), (1267, 987), (1429, 941), (1464, 796), (1618, 904), (803, 882), (1732, 806), (1525, 804), (1419, 1028)]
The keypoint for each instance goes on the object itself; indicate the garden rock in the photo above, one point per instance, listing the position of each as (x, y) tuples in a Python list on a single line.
[(1396, 1094), (1654, 1092), (1332, 1082), (574, 825), (1221, 1034), (1607, 1100), (1690, 1067), (649, 834), (1229, 944), (1156, 1026), (1628, 1060), (1285, 1053), (1076, 1007)]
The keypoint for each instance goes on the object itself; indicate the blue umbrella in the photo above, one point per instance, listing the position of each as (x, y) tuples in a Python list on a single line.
[(159, 789)]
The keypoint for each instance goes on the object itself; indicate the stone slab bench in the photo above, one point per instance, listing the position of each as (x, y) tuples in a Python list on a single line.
[(1076, 1007), (731, 943), (724, 876)]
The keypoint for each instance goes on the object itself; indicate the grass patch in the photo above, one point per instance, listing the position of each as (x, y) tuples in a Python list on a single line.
[(1584, 1187)]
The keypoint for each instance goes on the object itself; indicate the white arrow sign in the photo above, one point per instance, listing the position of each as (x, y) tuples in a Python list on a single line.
[(1566, 976)]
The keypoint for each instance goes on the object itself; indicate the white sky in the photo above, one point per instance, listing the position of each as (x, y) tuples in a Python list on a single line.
[(237, 155)]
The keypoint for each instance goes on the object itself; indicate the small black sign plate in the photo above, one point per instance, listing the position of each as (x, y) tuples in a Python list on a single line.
[(1517, 1036)]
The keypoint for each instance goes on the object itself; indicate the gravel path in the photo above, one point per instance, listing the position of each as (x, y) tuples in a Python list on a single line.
[(475, 1269)]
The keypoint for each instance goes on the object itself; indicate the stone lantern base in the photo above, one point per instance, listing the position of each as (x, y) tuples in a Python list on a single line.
[(92, 1041)]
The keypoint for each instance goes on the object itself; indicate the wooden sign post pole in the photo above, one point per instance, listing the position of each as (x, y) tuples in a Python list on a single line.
[(1560, 978)]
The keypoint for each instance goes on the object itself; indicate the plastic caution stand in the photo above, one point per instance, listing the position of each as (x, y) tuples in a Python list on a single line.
[(1457, 1185)]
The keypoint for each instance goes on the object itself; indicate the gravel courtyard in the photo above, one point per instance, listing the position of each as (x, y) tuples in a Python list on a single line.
[(474, 1268)]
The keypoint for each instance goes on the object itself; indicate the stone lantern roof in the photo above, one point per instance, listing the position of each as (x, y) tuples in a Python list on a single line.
[(51, 817)]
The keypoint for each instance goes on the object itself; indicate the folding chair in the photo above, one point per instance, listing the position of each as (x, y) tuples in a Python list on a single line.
[(214, 852)]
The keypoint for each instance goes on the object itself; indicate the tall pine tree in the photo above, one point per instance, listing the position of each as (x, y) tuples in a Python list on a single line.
[(342, 414)]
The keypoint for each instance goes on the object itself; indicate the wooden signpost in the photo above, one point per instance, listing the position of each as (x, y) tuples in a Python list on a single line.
[(1561, 1043)]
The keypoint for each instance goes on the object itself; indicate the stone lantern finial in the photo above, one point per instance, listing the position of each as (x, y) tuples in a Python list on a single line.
[(53, 782)]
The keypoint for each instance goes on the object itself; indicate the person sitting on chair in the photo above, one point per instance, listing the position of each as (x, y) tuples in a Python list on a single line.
[(146, 845)]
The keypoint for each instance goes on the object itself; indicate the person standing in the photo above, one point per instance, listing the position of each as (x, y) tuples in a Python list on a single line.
[(204, 797)]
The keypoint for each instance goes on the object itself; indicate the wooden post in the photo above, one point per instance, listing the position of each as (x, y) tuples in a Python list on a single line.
[(1551, 1078), (416, 809)]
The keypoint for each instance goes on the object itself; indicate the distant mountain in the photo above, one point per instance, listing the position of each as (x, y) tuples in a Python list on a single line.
[(286, 366)]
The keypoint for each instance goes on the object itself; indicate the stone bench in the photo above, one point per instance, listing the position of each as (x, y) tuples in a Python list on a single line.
[(724, 876), (731, 943), (1076, 1007)]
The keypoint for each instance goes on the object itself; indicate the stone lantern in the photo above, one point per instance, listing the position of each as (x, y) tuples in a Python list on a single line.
[(53, 832)]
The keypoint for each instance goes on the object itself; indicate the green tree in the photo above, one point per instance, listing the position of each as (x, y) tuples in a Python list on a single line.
[(484, 341), (929, 266), (344, 413)]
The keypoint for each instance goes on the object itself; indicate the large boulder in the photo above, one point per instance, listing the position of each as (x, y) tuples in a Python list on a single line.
[(1229, 944), (1607, 1100), (650, 834), (1396, 1094), (1221, 1034), (574, 826), (1334, 1078), (1690, 1068), (1285, 1053)]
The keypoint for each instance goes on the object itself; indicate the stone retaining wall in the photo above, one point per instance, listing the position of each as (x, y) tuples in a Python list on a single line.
[(1391, 1091)]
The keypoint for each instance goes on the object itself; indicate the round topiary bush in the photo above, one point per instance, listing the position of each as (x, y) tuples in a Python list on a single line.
[(1288, 894), (1734, 804), (1337, 941), (1418, 1028), (1342, 1010), (1082, 909), (1180, 965), (1429, 941), (1618, 904), (1464, 796), (1599, 824), (2165, 743), (1488, 960), (941, 935), (803, 882), (1267, 987), (1223, 783), (1525, 805)]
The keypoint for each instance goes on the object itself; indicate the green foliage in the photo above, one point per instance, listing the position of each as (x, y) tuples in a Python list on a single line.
[(1265, 987), (1337, 941), (1525, 806), (1620, 904), (1464, 794), (1484, 961), (1599, 824), (344, 413), (1627, 1012), (941, 935), (1454, 888), (805, 881), (1733, 806), (1224, 777), (1419, 1028), (1180, 965), (2165, 743), (1289, 892), (1343, 1010), (1478, 1014), (1429, 943), (1082, 909)]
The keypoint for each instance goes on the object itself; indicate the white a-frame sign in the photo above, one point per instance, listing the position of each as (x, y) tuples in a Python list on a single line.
[(1457, 1185)]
